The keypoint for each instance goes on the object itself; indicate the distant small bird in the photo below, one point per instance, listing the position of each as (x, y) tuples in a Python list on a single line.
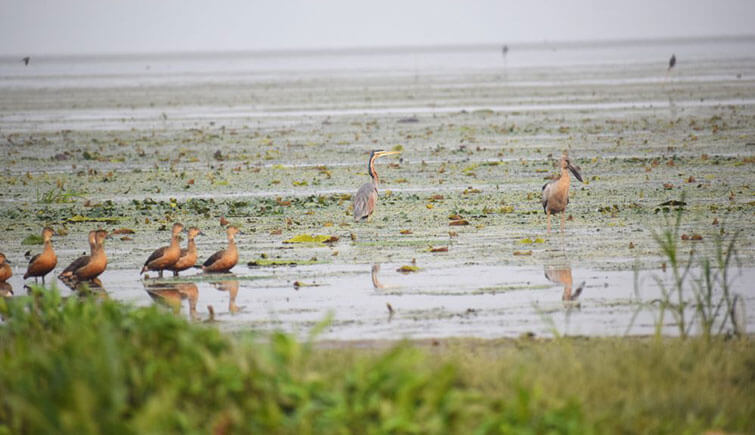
[(26, 60), (672, 62), (505, 50)]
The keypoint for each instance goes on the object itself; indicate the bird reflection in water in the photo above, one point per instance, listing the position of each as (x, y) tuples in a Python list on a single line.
[(561, 274), (6, 290), (172, 295), (232, 287), (376, 282)]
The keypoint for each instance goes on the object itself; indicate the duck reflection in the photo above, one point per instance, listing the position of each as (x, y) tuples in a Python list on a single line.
[(172, 295), (232, 287), (6, 290), (561, 274), (83, 287)]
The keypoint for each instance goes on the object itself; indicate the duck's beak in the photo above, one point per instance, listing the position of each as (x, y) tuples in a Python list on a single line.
[(386, 153), (575, 170)]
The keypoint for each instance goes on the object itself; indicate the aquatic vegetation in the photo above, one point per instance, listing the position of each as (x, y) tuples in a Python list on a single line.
[(699, 293)]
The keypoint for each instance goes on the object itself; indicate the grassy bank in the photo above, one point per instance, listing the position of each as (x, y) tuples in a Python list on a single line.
[(97, 366)]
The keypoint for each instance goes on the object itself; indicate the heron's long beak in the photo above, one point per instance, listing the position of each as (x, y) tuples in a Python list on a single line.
[(574, 170), (386, 153)]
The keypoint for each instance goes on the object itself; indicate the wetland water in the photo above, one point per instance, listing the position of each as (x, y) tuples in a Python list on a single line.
[(275, 142)]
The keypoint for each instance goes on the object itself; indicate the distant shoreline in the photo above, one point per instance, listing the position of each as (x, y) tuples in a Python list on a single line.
[(369, 50)]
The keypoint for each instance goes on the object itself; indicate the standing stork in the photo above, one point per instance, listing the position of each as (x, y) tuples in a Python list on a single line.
[(366, 197), (556, 192)]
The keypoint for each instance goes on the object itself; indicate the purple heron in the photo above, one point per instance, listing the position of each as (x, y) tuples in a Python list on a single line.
[(366, 197), (556, 192)]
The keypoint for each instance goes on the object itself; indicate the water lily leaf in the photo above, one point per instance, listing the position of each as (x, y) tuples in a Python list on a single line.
[(522, 252), (407, 269)]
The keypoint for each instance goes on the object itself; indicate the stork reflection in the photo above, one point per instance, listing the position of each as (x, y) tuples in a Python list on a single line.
[(561, 274)]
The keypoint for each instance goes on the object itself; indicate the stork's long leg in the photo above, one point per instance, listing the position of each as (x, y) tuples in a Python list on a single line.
[(548, 212)]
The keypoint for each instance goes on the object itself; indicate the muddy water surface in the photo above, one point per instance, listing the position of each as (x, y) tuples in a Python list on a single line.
[(277, 144)]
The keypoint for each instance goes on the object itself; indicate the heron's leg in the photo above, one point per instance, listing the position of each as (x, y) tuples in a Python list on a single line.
[(563, 220), (548, 212)]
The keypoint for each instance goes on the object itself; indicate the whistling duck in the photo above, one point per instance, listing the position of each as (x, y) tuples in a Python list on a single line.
[(42, 264), (89, 267), (5, 270), (367, 195), (223, 261), (188, 255), (77, 263), (166, 256), (556, 192)]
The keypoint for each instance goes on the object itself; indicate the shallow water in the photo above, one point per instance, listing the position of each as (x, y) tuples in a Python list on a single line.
[(276, 142), (441, 300)]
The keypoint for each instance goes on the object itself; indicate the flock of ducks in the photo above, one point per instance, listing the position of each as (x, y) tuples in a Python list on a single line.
[(88, 267), (555, 197)]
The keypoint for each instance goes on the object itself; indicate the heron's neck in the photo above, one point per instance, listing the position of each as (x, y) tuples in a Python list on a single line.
[(373, 172)]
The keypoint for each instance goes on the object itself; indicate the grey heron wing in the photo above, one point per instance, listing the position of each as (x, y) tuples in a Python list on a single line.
[(364, 201)]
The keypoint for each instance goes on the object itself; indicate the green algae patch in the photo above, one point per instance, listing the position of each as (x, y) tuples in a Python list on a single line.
[(317, 239), (32, 239), (270, 262), (79, 219)]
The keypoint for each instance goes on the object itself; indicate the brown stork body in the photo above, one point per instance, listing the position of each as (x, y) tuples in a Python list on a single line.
[(556, 192)]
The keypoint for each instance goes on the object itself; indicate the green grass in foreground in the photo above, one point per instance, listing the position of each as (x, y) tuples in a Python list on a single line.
[(98, 366)]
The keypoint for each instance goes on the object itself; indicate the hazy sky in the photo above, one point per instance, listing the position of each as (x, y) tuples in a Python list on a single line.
[(116, 26)]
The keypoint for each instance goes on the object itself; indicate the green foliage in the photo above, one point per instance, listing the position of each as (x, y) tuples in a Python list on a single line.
[(86, 365), (704, 298)]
